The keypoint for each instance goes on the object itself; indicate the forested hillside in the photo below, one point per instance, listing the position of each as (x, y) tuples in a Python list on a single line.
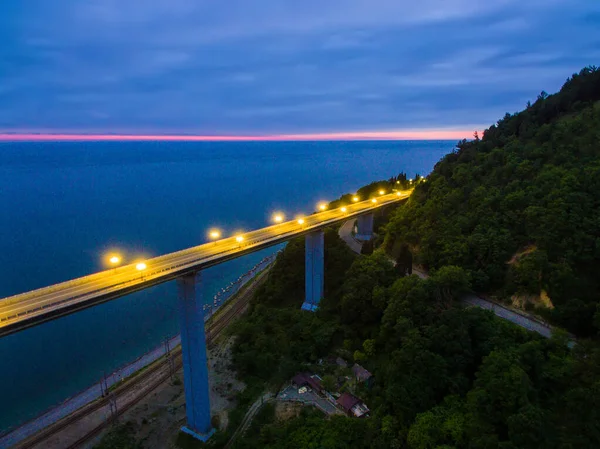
[(515, 213), (519, 209)]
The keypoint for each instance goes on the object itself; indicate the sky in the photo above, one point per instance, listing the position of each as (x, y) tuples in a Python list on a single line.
[(279, 67)]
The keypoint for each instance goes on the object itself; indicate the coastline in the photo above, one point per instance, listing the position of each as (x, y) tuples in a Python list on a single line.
[(94, 392)]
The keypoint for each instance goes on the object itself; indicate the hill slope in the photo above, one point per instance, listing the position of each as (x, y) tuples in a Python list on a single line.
[(520, 208)]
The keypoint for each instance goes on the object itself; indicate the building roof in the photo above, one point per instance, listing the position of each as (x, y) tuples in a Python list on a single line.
[(305, 379), (341, 362), (347, 401), (361, 373)]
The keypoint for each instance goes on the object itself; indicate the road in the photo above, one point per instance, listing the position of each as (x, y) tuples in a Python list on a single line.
[(28, 309), (505, 313), (512, 316), (345, 234)]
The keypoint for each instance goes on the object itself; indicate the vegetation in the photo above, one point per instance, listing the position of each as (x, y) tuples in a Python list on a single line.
[(515, 212), (120, 437), (275, 339), (518, 208)]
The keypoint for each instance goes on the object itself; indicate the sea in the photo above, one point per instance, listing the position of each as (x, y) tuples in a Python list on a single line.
[(65, 205)]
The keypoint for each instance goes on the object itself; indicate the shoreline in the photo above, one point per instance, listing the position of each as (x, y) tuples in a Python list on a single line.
[(94, 392)]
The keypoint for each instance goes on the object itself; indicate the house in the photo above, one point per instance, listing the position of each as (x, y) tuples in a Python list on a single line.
[(306, 380), (341, 362), (352, 405)]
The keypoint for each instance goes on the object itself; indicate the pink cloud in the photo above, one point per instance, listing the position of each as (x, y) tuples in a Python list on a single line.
[(375, 135)]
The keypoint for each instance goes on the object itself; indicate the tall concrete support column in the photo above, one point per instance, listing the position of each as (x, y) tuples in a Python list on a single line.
[(314, 270), (193, 347), (364, 227)]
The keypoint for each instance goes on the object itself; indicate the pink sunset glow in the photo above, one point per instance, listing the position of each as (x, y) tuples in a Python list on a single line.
[(377, 135)]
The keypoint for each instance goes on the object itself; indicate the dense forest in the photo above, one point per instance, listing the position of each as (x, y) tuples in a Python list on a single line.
[(514, 213), (519, 209), (445, 376)]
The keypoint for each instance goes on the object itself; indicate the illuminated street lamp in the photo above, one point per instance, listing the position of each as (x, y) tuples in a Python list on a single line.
[(214, 234), (399, 193), (373, 200), (322, 206), (381, 192), (114, 260), (239, 238), (344, 209), (141, 266), (278, 218), (300, 221), (410, 180), (355, 199)]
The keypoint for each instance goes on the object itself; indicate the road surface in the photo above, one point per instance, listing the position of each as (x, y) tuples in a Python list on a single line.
[(507, 314), (345, 234)]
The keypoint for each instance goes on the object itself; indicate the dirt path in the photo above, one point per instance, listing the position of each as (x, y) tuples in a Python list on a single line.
[(254, 408)]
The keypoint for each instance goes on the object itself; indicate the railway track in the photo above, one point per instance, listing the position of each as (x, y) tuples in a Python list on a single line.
[(223, 320), (153, 386), (214, 330), (94, 406)]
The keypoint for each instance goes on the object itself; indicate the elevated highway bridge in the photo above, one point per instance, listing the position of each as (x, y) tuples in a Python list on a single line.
[(28, 309)]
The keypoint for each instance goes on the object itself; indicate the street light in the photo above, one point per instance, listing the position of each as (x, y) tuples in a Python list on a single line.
[(214, 234), (373, 200), (141, 266), (355, 199), (381, 192), (114, 260), (399, 193), (322, 206), (239, 238), (300, 221), (278, 218), (344, 209)]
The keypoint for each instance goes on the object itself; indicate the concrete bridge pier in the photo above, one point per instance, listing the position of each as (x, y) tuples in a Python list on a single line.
[(364, 227), (314, 270), (193, 347)]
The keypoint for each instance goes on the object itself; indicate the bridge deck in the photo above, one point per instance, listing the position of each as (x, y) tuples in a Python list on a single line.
[(31, 308)]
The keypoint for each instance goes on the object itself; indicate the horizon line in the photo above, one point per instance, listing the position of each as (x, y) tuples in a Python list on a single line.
[(374, 135)]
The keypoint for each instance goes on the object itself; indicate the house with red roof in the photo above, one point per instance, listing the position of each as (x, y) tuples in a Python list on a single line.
[(352, 405)]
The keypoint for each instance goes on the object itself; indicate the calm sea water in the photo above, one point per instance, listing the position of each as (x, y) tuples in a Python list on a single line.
[(64, 205)]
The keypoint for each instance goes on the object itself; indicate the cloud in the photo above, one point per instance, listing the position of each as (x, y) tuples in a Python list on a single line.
[(278, 67)]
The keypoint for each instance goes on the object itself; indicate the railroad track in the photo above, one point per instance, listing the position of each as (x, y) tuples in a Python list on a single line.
[(99, 428), (227, 316), (94, 406), (213, 331)]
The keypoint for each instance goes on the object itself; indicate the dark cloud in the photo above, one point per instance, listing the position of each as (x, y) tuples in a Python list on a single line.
[(269, 66)]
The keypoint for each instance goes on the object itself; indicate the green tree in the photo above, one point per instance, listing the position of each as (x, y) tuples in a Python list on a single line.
[(328, 382), (369, 347), (356, 305)]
